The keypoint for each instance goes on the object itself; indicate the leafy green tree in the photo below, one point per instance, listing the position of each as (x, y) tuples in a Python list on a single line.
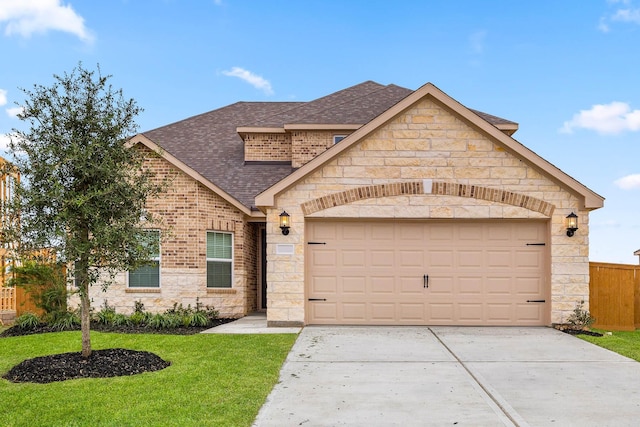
[(83, 186)]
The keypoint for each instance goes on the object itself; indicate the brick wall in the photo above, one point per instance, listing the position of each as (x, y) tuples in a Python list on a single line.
[(305, 145), (188, 210), (267, 147), (428, 142)]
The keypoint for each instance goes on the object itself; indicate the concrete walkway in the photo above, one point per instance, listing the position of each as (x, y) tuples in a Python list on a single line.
[(446, 376), (254, 323)]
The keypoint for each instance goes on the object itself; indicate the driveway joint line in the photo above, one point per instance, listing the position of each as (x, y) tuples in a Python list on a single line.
[(488, 393)]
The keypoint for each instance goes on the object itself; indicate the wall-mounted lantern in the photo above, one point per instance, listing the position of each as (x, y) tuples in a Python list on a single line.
[(285, 222), (572, 224)]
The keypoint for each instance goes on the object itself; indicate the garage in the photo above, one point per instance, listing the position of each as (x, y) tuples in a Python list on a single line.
[(427, 272)]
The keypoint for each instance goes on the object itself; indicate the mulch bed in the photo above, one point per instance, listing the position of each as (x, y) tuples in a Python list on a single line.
[(113, 362)]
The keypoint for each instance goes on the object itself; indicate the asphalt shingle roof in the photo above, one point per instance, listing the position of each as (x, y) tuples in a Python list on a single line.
[(210, 145)]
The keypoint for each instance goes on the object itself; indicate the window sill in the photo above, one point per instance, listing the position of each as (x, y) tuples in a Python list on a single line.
[(221, 291), (142, 291)]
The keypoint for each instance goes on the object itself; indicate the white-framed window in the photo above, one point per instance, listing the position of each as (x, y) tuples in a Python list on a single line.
[(338, 138), (219, 259), (148, 275)]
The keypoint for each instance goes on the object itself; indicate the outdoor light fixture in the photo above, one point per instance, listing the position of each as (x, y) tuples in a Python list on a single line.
[(284, 222), (572, 224)]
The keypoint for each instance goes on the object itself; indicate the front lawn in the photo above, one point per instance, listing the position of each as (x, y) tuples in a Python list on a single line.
[(626, 343), (213, 380)]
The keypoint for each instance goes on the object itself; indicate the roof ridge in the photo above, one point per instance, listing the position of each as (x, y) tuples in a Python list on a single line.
[(346, 101)]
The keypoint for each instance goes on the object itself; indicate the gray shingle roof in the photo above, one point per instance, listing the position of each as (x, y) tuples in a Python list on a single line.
[(210, 145)]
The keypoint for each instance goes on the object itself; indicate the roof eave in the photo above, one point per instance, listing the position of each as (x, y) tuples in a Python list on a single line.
[(142, 139)]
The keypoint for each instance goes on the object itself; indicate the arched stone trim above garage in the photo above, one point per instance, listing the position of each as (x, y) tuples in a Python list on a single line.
[(427, 186)]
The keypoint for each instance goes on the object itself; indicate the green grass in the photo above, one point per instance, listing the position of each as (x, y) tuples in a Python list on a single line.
[(213, 380), (626, 343)]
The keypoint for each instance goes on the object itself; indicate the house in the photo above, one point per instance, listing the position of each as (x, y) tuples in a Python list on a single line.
[(638, 254), (400, 207)]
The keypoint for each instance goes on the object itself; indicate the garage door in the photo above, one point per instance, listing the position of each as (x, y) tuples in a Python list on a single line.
[(426, 273)]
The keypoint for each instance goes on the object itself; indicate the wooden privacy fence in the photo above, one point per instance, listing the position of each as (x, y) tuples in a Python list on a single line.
[(614, 295), (7, 299)]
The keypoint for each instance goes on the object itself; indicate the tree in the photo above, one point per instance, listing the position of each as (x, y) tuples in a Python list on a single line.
[(83, 186)]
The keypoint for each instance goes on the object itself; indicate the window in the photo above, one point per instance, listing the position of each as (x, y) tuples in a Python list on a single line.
[(219, 259), (148, 275), (338, 138)]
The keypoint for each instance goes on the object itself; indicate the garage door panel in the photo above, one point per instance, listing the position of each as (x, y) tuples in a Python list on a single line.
[(410, 258), (499, 285), (529, 286), (324, 284), (382, 258), (440, 286), (471, 313), (324, 311), (528, 312), (354, 285), (470, 259), (411, 285), (355, 312), (383, 286), (440, 258), (411, 312), (480, 273), (442, 312), (470, 286)]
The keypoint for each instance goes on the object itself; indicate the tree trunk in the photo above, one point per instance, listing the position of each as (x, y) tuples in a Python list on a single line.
[(85, 320)]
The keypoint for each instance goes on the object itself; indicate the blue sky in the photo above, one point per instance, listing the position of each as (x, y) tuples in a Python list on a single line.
[(566, 70)]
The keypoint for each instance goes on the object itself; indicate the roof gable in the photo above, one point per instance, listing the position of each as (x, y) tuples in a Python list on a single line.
[(591, 200)]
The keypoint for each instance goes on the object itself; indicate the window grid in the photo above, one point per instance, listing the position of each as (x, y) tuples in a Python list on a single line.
[(219, 259), (147, 275)]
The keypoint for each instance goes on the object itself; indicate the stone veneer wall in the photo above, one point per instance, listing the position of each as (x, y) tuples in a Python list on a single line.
[(267, 147), (427, 142), (188, 210)]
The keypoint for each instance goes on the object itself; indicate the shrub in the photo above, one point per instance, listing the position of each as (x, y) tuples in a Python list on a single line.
[(580, 318), (64, 321), (27, 321), (106, 314), (158, 321)]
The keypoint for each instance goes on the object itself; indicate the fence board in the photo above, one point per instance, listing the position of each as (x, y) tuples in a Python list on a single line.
[(614, 295)]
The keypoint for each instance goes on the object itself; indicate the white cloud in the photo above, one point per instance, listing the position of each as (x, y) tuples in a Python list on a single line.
[(623, 11), (14, 111), (3, 97), (254, 80), (26, 17), (477, 41), (612, 118), (629, 182), (4, 141), (627, 15)]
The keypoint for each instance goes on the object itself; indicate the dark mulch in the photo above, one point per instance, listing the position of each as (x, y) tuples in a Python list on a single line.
[(114, 362), (581, 332)]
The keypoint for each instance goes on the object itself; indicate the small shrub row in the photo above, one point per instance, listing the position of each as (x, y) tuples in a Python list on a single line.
[(176, 317)]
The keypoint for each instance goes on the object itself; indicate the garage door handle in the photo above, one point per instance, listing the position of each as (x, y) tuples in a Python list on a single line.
[(317, 299), (536, 300), (425, 281)]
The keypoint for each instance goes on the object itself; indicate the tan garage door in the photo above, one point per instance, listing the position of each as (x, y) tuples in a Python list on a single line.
[(426, 273)]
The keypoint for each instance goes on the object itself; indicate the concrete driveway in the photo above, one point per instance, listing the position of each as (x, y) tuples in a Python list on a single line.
[(451, 376)]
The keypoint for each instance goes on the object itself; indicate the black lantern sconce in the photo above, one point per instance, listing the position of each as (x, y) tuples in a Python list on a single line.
[(572, 224), (285, 222)]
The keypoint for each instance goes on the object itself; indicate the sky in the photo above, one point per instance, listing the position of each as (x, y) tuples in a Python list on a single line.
[(567, 71)]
